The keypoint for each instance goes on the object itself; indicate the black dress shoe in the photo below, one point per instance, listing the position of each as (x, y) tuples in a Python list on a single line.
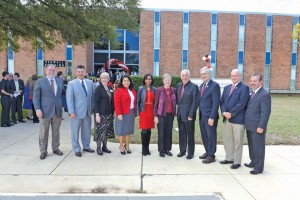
[(181, 154), (203, 156), (89, 150), (224, 162), (123, 152), (28, 118), (161, 154), (189, 157), (249, 165), (254, 172), (105, 149), (36, 121), (208, 160), (58, 152), (78, 154), (4, 125), (168, 153), (8, 125), (43, 156), (99, 152), (235, 166), (14, 122), (22, 121), (11, 124)]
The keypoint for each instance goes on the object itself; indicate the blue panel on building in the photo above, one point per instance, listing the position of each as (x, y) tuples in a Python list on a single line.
[(213, 56), (69, 54), (242, 20), (186, 18), (156, 17), (296, 20), (156, 55), (268, 58), (294, 58), (184, 55), (241, 57), (269, 20), (214, 18), (10, 54), (39, 54)]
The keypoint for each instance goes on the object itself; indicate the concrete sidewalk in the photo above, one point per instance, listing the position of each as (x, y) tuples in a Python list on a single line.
[(21, 170)]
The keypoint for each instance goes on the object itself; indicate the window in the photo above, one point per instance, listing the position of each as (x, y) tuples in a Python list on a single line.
[(100, 57), (120, 39), (132, 58), (119, 56), (132, 41)]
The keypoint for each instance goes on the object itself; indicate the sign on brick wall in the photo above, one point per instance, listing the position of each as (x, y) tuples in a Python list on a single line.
[(55, 62)]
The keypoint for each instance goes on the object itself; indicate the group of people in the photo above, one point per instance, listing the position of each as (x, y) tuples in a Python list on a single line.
[(115, 112)]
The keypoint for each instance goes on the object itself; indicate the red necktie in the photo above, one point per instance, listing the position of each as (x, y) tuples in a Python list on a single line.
[(231, 90), (203, 88), (182, 90)]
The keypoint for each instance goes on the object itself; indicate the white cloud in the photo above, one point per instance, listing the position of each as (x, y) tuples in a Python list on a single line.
[(290, 7)]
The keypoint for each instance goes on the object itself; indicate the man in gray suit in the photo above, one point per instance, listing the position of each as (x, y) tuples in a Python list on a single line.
[(48, 106), (256, 119), (79, 100)]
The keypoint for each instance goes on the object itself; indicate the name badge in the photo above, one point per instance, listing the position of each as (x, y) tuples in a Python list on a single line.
[(111, 90)]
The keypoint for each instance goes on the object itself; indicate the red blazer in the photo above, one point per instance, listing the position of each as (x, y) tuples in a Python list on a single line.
[(122, 101)]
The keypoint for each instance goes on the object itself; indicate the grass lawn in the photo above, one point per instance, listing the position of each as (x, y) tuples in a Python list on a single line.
[(283, 127)]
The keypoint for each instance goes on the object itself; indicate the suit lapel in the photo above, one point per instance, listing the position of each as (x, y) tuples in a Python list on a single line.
[(254, 97)]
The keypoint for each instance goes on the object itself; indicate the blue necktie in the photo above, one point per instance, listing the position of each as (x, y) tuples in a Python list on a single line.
[(84, 89)]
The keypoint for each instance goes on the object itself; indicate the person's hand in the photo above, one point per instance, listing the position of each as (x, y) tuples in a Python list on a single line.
[(190, 119), (211, 122), (259, 130), (227, 115), (137, 117), (73, 116), (120, 117), (156, 121), (98, 119), (39, 113)]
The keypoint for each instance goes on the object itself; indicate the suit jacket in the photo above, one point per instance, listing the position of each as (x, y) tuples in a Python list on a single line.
[(188, 102), (258, 110), (235, 103), (141, 99), (210, 101), (78, 103), (45, 100), (12, 86), (102, 103), (122, 101)]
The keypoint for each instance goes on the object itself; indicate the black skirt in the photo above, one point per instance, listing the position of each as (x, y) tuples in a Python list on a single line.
[(104, 129)]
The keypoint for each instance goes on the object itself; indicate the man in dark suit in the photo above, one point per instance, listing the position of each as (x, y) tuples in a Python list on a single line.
[(208, 114), (256, 119), (187, 97), (5, 100), (233, 107), (16, 88), (47, 103)]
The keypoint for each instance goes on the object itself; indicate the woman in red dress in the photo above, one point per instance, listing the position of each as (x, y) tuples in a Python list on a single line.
[(145, 102)]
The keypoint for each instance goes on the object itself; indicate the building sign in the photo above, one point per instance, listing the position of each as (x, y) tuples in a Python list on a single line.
[(55, 62)]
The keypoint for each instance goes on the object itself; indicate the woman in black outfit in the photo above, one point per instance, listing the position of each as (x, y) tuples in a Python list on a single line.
[(104, 110)]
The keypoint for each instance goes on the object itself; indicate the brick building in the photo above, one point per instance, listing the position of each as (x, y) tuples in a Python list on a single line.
[(172, 40)]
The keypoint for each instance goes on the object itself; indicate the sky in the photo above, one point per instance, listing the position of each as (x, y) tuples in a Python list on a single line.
[(289, 7)]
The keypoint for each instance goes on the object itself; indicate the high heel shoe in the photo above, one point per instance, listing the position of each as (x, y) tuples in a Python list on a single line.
[(28, 118), (128, 150), (122, 152)]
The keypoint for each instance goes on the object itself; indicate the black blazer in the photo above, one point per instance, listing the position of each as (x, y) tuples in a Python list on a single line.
[(12, 86), (102, 105), (188, 102)]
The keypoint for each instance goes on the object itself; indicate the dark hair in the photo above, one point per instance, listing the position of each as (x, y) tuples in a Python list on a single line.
[(258, 75), (80, 67), (146, 76), (4, 73), (120, 85), (59, 73), (34, 77), (17, 74)]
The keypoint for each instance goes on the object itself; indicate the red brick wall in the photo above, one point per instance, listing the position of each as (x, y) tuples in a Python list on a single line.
[(227, 44), (170, 43), (3, 62), (79, 58), (255, 45), (281, 52), (146, 42), (199, 41), (89, 55)]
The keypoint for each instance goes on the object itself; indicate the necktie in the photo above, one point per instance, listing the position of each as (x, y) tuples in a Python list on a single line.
[(84, 89), (252, 95), (203, 88), (182, 90), (52, 86), (231, 90), (17, 85)]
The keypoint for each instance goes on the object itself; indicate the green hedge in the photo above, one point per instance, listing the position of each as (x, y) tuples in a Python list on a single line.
[(138, 81)]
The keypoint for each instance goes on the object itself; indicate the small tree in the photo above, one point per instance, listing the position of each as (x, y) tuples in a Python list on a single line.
[(296, 32)]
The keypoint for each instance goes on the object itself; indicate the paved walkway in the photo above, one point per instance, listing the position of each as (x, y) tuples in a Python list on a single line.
[(21, 170)]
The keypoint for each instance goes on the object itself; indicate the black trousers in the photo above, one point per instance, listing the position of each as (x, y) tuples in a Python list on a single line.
[(165, 127), (16, 106), (209, 136), (258, 150), (5, 103), (186, 136)]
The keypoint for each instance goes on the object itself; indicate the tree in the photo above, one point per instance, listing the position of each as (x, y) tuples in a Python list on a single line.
[(296, 32), (46, 23)]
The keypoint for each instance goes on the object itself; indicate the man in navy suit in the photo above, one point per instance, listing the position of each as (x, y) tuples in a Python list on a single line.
[(233, 107), (187, 96), (208, 114), (256, 119)]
